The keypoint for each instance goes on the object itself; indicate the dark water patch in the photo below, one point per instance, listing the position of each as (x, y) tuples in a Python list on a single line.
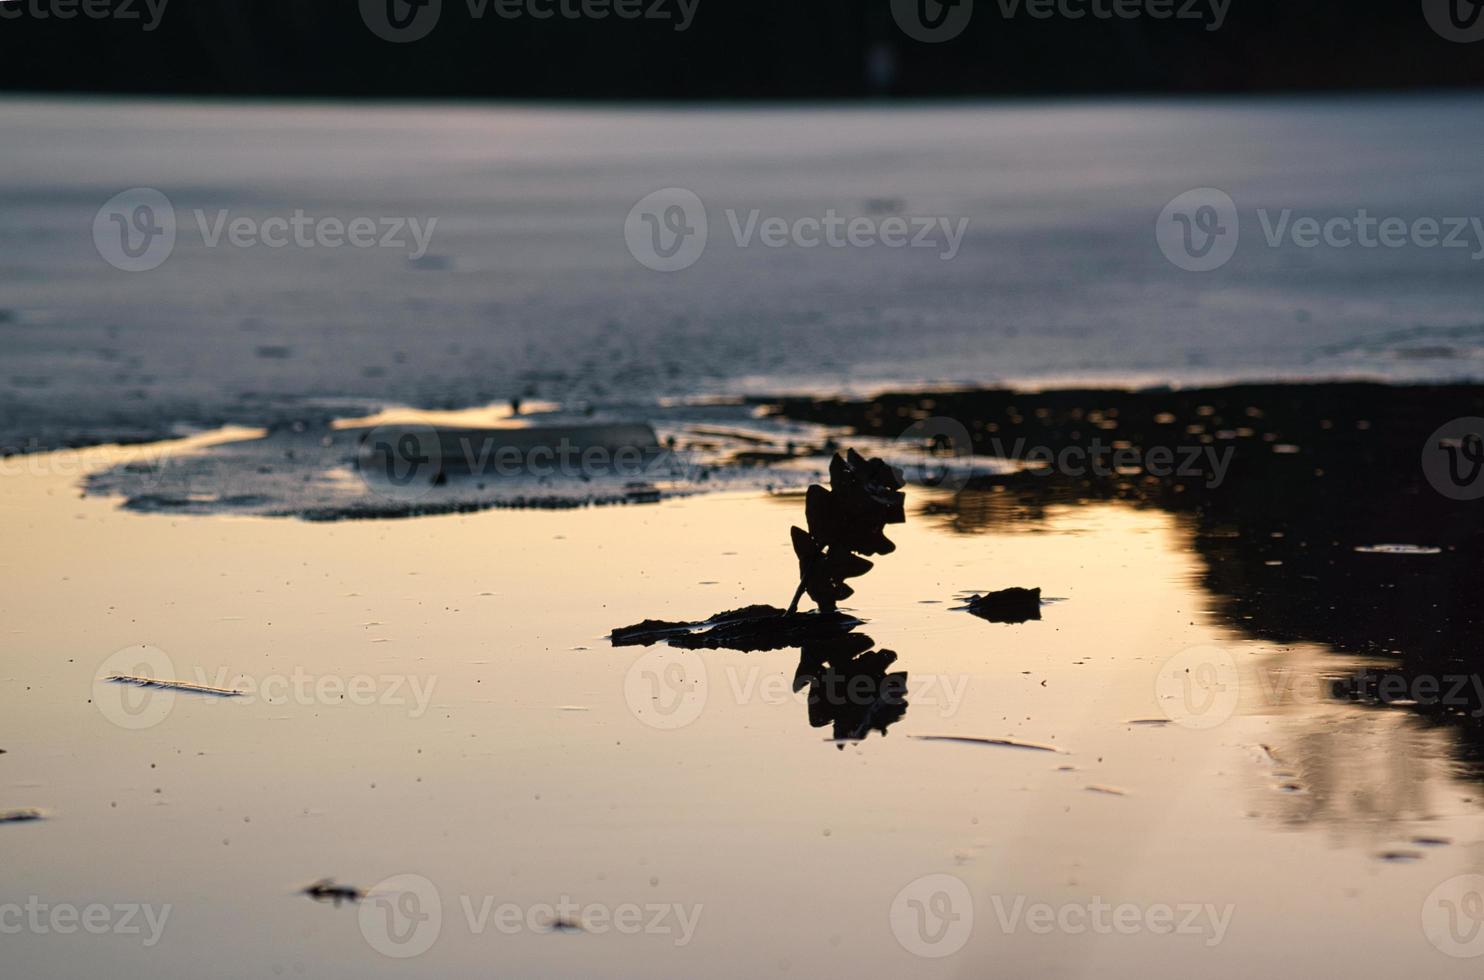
[(849, 687), (1284, 491)]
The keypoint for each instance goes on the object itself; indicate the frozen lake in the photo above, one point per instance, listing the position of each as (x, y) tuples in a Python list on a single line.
[(1042, 262)]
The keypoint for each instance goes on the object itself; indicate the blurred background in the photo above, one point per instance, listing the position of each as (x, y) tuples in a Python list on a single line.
[(728, 49)]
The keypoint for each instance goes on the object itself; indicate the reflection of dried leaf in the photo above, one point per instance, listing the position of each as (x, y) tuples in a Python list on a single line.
[(848, 686)]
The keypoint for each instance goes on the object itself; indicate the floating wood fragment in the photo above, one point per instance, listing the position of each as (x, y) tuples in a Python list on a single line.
[(21, 816), (1007, 743), (182, 686), (327, 890)]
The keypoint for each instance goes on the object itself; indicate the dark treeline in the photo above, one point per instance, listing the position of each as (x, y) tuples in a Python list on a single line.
[(729, 48)]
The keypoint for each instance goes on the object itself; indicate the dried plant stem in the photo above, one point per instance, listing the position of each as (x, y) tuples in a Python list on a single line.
[(793, 607)]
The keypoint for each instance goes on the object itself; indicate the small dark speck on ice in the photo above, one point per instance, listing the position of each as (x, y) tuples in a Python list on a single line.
[(1400, 856)]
